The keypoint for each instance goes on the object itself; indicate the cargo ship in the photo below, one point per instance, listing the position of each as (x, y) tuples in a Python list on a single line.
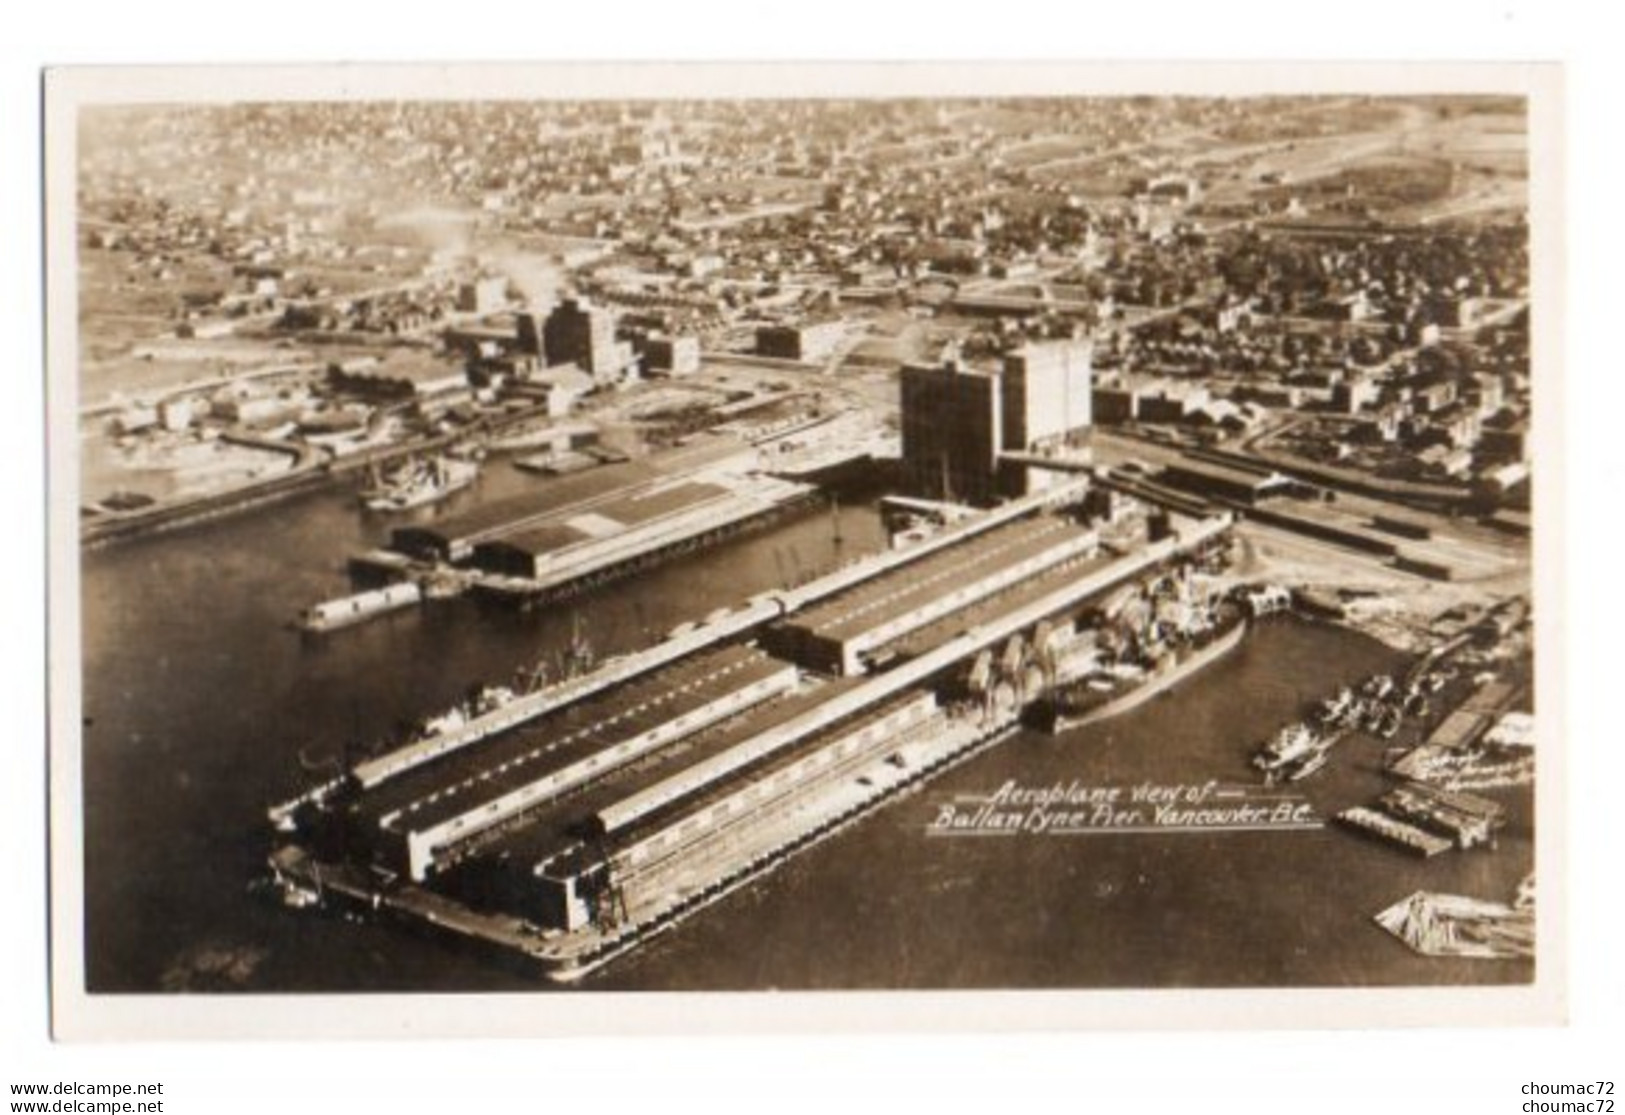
[(1114, 690), (418, 483)]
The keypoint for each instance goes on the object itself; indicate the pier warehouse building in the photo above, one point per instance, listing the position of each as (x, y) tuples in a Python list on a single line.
[(454, 538), (569, 822), (842, 633), (420, 822), (636, 518)]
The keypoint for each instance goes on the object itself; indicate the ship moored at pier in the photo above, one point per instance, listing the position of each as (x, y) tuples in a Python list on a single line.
[(1128, 680), (417, 483)]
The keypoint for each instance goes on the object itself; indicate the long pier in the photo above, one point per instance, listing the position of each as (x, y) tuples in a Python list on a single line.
[(753, 614), (610, 806)]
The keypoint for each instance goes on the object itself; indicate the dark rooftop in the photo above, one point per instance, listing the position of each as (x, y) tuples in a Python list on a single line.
[(883, 599), (543, 832), (564, 735), (562, 494), (513, 513), (760, 770), (1228, 474)]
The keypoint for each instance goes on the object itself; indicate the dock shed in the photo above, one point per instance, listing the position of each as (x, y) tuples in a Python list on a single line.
[(1209, 478)]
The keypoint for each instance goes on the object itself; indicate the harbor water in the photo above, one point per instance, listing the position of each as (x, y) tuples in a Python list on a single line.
[(201, 706)]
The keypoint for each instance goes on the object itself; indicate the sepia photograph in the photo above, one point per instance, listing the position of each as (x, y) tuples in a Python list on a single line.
[(567, 531)]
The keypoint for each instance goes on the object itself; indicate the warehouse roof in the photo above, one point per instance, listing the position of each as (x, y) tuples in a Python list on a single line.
[(563, 735), (541, 838), (884, 598), (515, 512)]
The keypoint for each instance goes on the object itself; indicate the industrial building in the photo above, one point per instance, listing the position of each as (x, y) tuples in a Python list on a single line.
[(1047, 392), (953, 429), (579, 333), (1115, 405), (1172, 403), (528, 334), (672, 356), (485, 295), (807, 342), (971, 434), (1046, 408), (402, 375), (1207, 478)]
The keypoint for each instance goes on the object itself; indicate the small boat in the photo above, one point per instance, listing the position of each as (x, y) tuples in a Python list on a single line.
[(1295, 753), (1289, 744), (1378, 686), (483, 701), (448, 721), (1299, 771), (295, 894), (418, 483), (1335, 710), (492, 697), (296, 897)]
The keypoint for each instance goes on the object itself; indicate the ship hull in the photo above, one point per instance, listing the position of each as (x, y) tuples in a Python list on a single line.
[(1054, 720)]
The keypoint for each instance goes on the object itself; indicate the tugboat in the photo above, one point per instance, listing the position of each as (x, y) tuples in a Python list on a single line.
[(293, 893), (1296, 752), (1288, 746), (490, 698), (1376, 714), (1378, 686), (1336, 712), (1308, 765)]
